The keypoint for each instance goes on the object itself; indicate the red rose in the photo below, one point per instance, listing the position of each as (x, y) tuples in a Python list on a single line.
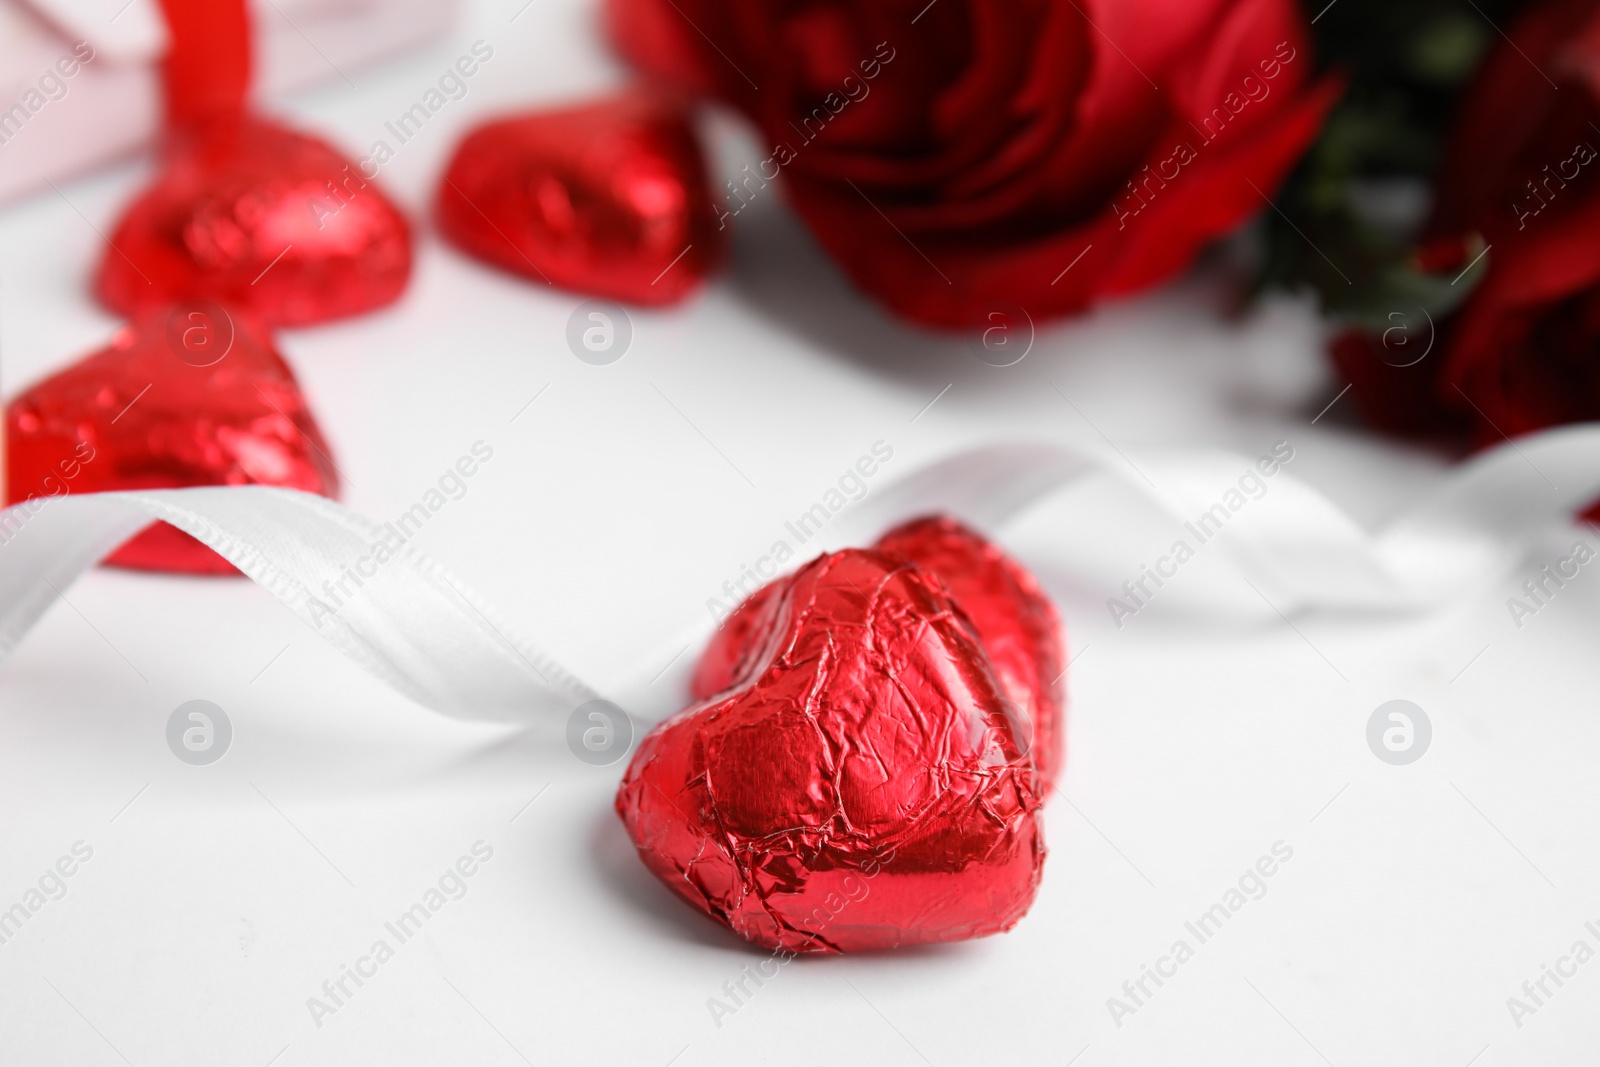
[(1523, 172), (957, 154)]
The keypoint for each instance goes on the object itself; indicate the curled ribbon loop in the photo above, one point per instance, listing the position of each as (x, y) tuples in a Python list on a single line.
[(410, 623), (1465, 533), (423, 633)]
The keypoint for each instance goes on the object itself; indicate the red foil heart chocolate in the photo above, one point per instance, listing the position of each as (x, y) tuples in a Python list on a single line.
[(260, 217), (861, 786), (739, 643), (609, 198), (1014, 622), (192, 395)]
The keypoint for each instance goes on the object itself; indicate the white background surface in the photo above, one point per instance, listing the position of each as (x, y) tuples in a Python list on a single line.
[(1418, 898)]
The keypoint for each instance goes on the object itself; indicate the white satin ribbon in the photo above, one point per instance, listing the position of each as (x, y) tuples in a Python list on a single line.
[(408, 621), (1473, 525), (417, 629)]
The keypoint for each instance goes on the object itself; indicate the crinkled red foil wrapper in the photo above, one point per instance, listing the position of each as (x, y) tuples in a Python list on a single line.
[(855, 775), (609, 197), (151, 411)]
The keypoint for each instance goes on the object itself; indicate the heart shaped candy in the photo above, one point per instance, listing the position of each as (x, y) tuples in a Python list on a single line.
[(739, 643), (860, 787), (1014, 622), (263, 218), (189, 396), (609, 198)]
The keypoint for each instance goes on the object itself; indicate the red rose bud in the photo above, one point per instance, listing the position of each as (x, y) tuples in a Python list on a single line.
[(958, 156), (609, 198), (260, 217), (192, 395), (862, 786), (1523, 169)]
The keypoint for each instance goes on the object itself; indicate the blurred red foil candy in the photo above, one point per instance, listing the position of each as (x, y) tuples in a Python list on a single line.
[(608, 198), (863, 784), (263, 218), (191, 395)]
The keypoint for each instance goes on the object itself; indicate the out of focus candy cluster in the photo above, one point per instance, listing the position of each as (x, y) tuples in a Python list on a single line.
[(251, 225)]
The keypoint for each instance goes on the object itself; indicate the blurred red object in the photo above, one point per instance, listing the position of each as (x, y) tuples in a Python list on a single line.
[(189, 395), (263, 218), (208, 66), (207, 54), (247, 211), (863, 786), (608, 198), (1520, 181), (960, 155)]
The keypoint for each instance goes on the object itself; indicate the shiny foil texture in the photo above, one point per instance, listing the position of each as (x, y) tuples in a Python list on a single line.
[(609, 198), (1013, 619), (192, 395), (263, 218), (1016, 623), (860, 784)]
